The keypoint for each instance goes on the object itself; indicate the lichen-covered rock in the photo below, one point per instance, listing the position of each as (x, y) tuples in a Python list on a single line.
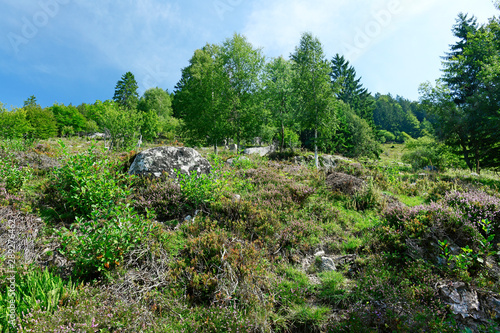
[(471, 307), (262, 151), (154, 161)]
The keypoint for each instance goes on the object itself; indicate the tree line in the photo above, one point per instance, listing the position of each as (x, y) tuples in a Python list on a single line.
[(231, 91)]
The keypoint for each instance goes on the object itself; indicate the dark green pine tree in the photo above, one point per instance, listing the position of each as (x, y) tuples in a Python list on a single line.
[(460, 72), (349, 89), (126, 94)]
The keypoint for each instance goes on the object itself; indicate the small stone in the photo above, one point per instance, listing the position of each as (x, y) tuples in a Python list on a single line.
[(328, 264), (319, 254)]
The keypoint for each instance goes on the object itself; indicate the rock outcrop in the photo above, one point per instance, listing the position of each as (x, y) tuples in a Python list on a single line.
[(262, 151), (472, 307), (154, 161)]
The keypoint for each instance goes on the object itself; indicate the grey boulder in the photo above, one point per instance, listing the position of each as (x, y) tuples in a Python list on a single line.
[(154, 161)]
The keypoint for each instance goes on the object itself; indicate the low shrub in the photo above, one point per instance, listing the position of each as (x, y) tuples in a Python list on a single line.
[(214, 268), (85, 183), (91, 310), (13, 175), (99, 243), (161, 197)]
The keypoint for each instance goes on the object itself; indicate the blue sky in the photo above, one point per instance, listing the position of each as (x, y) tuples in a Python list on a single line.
[(74, 51)]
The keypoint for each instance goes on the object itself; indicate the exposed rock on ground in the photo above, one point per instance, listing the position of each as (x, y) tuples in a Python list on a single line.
[(154, 161), (262, 151), (472, 307), (344, 183)]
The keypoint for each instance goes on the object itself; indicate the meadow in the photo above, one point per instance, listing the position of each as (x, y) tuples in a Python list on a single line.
[(243, 249)]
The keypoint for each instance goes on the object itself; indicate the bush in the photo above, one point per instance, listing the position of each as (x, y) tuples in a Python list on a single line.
[(87, 182), (425, 151), (12, 175), (386, 136), (99, 243)]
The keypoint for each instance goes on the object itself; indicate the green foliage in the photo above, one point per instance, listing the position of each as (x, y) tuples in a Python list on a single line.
[(42, 121), (293, 289), (99, 243), (201, 97), (126, 95), (201, 190), (396, 115), (69, 119), (150, 125), (35, 290), (122, 125), (425, 151), (332, 289), (359, 138), (87, 182), (156, 100), (386, 136), (243, 65), (312, 87), (12, 175), (13, 124), (465, 101), (278, 91), (349, 90)]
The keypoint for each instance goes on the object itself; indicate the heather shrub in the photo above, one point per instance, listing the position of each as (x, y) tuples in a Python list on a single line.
[(298, 235), (161, 197), (245, 219), (410, 304), (214, 319), (99, 243), (91, 310), (216, 268), (87, 182), (474, 206), (439, 189), (274, 190)]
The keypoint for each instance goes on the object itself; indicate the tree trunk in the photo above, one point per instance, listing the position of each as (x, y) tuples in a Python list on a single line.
[(282, 143), (215, 148), (316, 148)]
